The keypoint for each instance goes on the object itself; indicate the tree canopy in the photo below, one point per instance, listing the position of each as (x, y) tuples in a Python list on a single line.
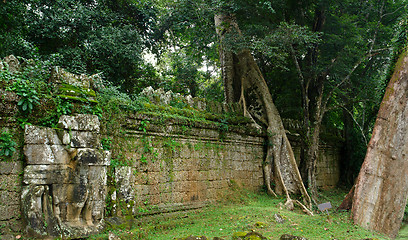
[(325, 62)]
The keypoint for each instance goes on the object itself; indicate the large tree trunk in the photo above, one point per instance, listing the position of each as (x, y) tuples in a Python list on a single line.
[(243, 78), (382, 186)]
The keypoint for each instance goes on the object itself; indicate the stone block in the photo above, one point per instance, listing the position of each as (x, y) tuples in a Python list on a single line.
[(180, 176), (124, 181), (202, 175), (40, 135), (11, 226), (90, 156), (192, 175), (154, 199), (202, 164), (80, 139), (165, 197), (165, 187), (9, 212), (12, 63), (10, 168), (11, 183), (176, 197), (97, 210), (9, 198), (97, 175), (46, 154), (80, 122), (49, 174), (70, 193)]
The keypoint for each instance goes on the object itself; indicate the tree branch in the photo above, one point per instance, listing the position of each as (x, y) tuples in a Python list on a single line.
[(358, 125)]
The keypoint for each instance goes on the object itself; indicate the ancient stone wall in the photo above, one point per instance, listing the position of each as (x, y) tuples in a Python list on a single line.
[(58, 182), (328, 165), (11, 168), (170, 167)]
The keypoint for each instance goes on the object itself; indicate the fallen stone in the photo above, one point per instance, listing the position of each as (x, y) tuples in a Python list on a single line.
[(8, 237), (260, 224), (112, 236), (291, 237), (12, 63), (193, 238), (247, 236), (278, 218)]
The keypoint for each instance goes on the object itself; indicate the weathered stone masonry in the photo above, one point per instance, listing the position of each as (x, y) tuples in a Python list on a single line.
[(167, 168), (10, 170), (64, 184), (187, 170), (59, 182)]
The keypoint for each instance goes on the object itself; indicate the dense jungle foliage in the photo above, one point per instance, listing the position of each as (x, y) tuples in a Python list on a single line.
[(342, 50)]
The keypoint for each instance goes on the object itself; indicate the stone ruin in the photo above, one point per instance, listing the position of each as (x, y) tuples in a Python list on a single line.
[(64, 184), (64, 192)]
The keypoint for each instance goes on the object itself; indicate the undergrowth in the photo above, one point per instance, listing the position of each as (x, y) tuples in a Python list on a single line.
[(242, 210)]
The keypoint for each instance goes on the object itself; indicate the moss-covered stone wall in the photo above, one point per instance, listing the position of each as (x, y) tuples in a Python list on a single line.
[(11, 167), (169, 167), (169, 152)]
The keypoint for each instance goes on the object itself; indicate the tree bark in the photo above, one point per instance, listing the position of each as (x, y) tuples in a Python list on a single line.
[(382, 187), (280, 160)]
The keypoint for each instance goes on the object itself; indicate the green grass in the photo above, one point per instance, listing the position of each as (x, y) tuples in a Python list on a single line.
[(403, 233), (245, 212)]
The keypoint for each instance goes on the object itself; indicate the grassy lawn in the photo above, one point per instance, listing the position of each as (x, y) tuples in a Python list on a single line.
[(244, 211)]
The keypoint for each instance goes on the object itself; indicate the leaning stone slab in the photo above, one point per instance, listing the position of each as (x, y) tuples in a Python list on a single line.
[(46, 154), (80, 122)]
